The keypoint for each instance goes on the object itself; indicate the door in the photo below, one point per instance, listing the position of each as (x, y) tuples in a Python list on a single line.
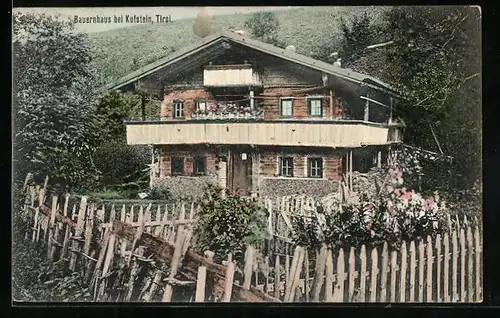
[(240, 172)]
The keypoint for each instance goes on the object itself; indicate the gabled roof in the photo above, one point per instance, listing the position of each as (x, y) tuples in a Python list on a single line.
[(343, 73)]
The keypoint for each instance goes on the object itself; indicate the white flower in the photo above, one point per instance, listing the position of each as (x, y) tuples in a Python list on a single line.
[(435, 224)]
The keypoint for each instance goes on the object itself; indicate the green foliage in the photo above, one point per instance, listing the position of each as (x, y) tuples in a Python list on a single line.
[(356, 36), (228, 224), (264, 26), (114, 51), (114, 107), (120, 163), (394, 215), (435, 62), (159, 191), (53, 100)]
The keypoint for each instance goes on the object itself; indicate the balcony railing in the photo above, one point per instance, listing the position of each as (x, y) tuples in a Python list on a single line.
[(334, 133), (214, 115)]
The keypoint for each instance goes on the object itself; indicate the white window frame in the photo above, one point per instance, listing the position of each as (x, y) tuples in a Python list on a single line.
[(199, 103), (310, 100), (179, 111), (286, 99), (310, 168), (280, 166)]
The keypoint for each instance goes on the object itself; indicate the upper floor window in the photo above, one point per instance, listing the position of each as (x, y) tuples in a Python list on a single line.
[(286, 166), (177, 166), (178, 109), (201, 105), (286, 107), (315, 167), (199, 166), (315, 106)]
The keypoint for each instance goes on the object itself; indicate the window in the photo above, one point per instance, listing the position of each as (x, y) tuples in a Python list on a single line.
[(199, 166), (177, 167), (315, 167), (201, 105), (286, 107), (178, 110), (286, 167), (315, 107)]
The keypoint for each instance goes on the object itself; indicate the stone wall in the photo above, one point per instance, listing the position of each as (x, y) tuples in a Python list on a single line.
[(289, 186), (182, 187)]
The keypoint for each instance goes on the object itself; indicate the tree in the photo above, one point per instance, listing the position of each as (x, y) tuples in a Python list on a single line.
[(117, 162), (264, 26), (113, 108), (356, 36), (54, 98), (435, 62)]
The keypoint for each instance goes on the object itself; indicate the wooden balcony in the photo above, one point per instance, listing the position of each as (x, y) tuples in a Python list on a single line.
[(259, 132), (230, 76)]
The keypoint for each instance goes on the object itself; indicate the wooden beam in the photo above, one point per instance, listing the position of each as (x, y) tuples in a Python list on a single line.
[(163, 251), (331, 104), (391, 101), (367, 109), (374, 101)]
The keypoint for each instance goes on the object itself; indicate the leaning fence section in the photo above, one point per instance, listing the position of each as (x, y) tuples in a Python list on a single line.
[(115, 245), (131, 253)]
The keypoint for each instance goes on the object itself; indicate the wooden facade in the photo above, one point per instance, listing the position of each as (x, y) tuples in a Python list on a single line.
[(243, 95)]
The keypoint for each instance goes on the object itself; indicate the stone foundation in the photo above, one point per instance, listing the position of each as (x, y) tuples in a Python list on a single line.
[(185, 188), (288, 186)]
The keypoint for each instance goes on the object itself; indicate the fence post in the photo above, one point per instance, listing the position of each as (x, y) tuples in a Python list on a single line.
[(298, 259), (413, 264), (52, 223), (394, 269), (320, 273), (446, 268), (430, 260), (438, 268), (329, 276), (373, 278), (247, 270), (454, 255), (362, 275), (78, 232), (470, 263), (352, 273), (462, 264), (228, 282), (477, 250), (200, 284), (383, 279), (338, 292), (404, 255), (167, 295)]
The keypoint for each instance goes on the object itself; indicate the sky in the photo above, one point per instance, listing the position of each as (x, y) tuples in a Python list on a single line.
[(176, 13)]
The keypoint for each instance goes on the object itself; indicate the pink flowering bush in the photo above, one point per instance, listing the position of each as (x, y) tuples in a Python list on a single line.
[(396, 214)]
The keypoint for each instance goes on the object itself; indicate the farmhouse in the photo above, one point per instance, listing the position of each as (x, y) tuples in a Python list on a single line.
[(255, 118)]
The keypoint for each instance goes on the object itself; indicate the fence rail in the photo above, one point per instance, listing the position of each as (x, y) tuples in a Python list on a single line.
[(95, 239)]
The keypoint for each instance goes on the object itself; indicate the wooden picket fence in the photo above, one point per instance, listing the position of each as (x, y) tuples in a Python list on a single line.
[(157, 238), (445, 269), (111, 248)]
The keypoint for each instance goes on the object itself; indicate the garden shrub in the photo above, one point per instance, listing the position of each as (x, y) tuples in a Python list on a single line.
[(159, 191), (119, 163), (227, 224), (396, 214)]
